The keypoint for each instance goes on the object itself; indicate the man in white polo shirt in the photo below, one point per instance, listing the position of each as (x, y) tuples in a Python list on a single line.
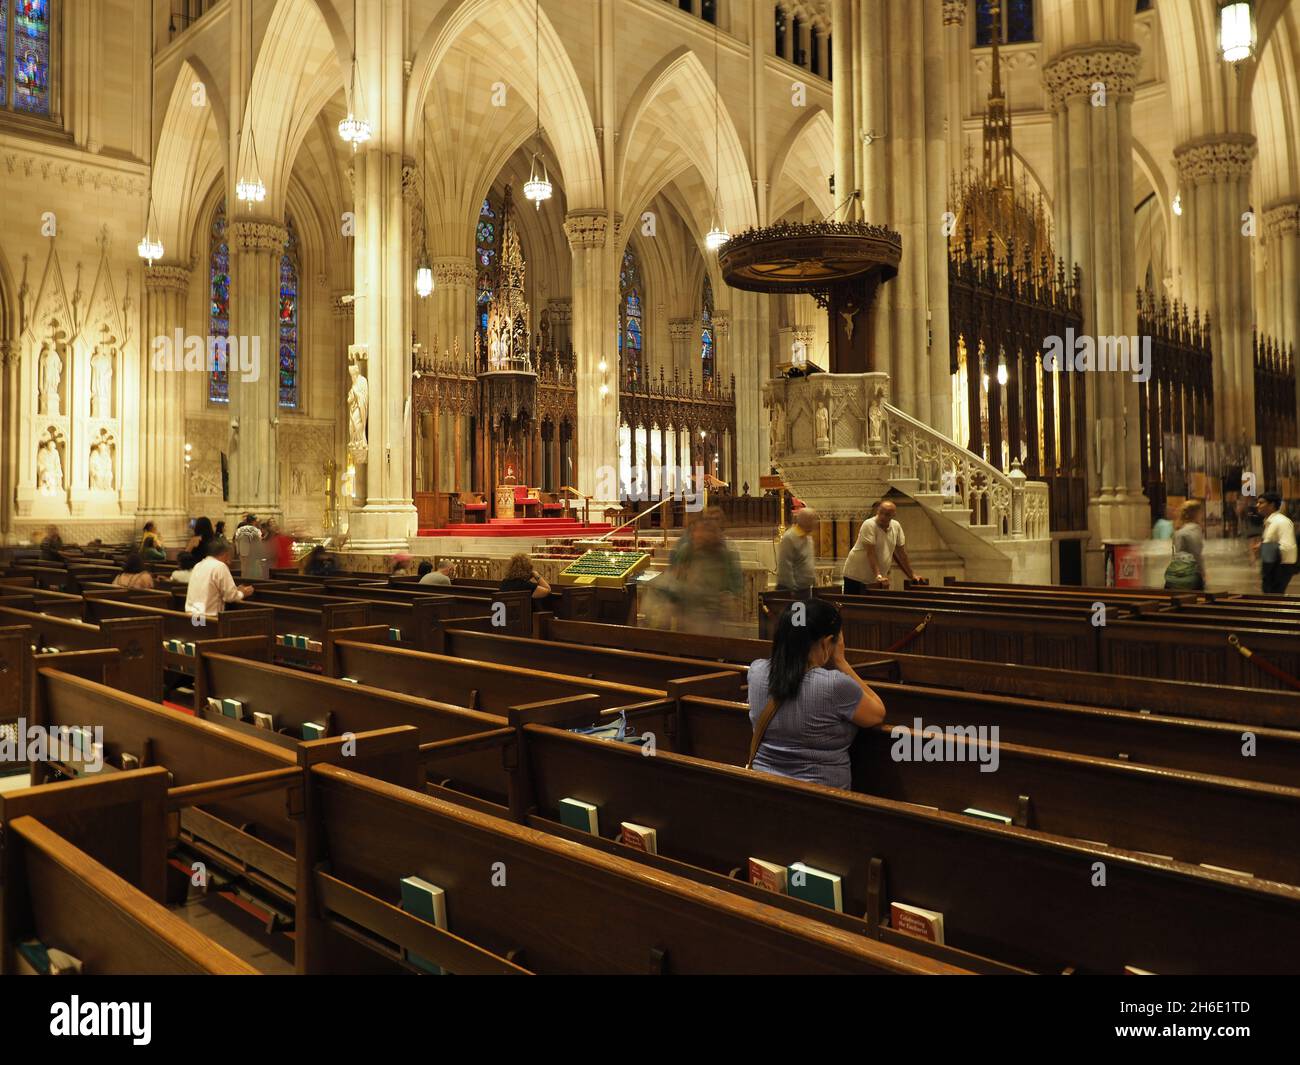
[(211, 586), (880, 541), (1277, 549)]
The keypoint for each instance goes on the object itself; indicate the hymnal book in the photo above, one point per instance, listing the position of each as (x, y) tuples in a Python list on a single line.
[(313, 730), (639, 837), (1133, 970), (233, 708), (580, 815), (189, 647), (394, 634), (915, 921), (769, 875), (129, 761), (261, 720), (300, 643), (429, 903), (36, 959), (815, 885), (1230, 872), (214, 705), (314, 645), (350, 680), (1001, 819)]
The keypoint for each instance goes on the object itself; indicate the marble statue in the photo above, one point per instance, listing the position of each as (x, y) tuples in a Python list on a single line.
[(358, 412), (49, 469), (876, 419), (823, 423), (101, 383), (101, 467), (50, 371)]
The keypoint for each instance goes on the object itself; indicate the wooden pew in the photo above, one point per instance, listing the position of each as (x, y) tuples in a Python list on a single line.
[(138, 641), (562, 909), (295, 698), (515, 610), (53, 890), (1024, 897), (484, 686)]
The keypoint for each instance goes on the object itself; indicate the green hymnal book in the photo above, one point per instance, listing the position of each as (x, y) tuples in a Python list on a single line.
[(300, 643), (1001, 819), (580, 815), (265, 721), (233, 708), (429, 903), (814, 885), (36, 959), (313, 730), (189, 647), (394, 634)]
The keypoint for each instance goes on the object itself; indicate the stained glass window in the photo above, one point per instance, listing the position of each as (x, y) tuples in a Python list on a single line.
[(779, 43), (25, 55), (631, 298), (289, 320), (706, 331), (219, 298), (1017, 22), (486, 253)]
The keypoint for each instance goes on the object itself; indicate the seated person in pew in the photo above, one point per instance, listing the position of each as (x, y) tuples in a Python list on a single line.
[(52, 545), (522, 576), (184, 567), (151, 546), (401, 566), (317, 563), (440, 575), (211, 586), (133, 574), (806, 703)]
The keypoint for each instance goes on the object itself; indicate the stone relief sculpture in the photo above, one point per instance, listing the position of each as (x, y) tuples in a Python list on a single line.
[(101, 467), (49, 468), (50, 374), (358, 413), (101, 382), (876, 422), (822, 422)]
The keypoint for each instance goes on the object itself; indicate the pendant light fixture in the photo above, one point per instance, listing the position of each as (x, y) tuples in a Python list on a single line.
[(150, 248), (538, 186), (1236, 30), (249, 188), (717, 235), (423, 270), (352, 129)]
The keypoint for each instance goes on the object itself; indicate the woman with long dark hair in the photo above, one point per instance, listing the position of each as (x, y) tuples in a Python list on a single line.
[(133, 574), (203, 535), (805, 702)]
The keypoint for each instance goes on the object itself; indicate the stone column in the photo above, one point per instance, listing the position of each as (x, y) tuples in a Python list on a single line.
[(723, 363), (256, 246), (682, 330), (594, 330), (164, 491), (1093, 148), (1282, 227), (455, 284), (1214, 173), (10, 415), (743, 344), (383, 274), (956, 49)]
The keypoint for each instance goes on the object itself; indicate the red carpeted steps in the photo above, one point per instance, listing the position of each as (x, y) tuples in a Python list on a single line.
[(521, 527)]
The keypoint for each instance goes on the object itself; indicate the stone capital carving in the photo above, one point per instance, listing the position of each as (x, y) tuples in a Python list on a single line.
[(9, 353), (1076, 71), (454, 270), (561, 311), (1282, 219), (586, 229), (167, 277), (954, 12), (342, 306), (258, 235), (681, 329), (1229, 155)]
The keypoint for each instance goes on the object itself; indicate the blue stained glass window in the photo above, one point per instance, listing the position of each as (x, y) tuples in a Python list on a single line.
[(706, 331), (630, 337), (30, 55), (485, 252), (1016, 23), (289, 346), (219, 293)]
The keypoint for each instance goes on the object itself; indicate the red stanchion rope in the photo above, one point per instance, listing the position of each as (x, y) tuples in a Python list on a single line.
[(1263, 663), (898, 646)]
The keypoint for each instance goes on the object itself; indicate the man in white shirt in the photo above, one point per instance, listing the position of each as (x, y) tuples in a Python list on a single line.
[(880, 541), (1277, 549), (441, 575), (211, 586)]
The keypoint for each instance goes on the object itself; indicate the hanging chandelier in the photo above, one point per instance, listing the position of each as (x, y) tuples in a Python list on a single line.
[(423, 270), (251, 190), (1236, 31), (538, 186), (352, 129), (150, 248), (717, 235)]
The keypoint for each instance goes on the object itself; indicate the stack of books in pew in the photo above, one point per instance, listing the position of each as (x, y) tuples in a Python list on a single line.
[(298, 642), (180, 647)]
